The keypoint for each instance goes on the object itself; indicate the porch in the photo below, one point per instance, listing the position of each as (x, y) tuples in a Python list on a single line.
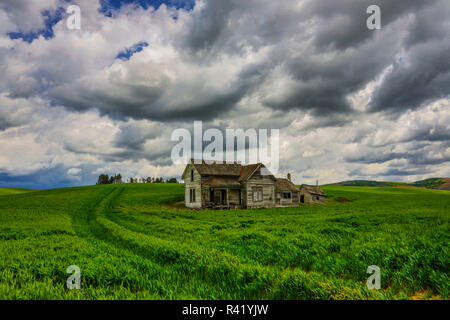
[(224, 198)]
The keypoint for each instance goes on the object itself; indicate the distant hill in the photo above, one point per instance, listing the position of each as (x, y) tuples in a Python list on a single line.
[(432, 183), (363, 183)]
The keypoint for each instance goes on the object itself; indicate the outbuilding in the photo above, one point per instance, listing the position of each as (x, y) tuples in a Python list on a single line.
[(286, 193), (311, 194)]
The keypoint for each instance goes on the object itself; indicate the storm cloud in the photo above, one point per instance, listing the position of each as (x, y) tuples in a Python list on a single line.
[(349, 101)]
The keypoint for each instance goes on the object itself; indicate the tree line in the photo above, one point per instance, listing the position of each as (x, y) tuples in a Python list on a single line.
[(105, 179), (152, 180)]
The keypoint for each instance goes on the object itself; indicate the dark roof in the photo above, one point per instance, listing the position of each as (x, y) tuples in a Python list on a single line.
[(246, 171), (222, 181), (225, 169), (284, 185), (313, 190), (218, 169)]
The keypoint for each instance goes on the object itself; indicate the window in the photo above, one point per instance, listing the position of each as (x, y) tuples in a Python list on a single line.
[(192, 175), (287, 195), (257, 194), (192, 195)]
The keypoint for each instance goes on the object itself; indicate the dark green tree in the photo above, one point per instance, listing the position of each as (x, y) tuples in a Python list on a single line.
[(103, 179)]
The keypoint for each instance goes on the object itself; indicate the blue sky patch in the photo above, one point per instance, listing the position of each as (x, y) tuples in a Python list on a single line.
[(109, 6), (51, 18), (128, 52), (41, 179)]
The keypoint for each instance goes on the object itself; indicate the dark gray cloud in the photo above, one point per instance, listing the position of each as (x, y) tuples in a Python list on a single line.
[(418, 154), (399, 173), (53, 177), (323, 48), (235, 26), (167, 101), (391, 172), (423, 77), (343, 55), (374, 157), (322, 83), (133, 136), (311, 68), (342, 24), (4, 124)]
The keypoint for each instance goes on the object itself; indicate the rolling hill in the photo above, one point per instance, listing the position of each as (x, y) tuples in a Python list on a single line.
[(432, 183)]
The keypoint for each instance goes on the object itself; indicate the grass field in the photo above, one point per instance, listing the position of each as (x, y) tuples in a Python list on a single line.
[(130, 243), (11, 191)]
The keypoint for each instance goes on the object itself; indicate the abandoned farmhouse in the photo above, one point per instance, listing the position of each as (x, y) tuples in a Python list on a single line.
[(232, 185)]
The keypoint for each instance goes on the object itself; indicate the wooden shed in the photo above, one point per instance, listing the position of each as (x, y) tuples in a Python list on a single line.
[(286, 193), (311, 194)]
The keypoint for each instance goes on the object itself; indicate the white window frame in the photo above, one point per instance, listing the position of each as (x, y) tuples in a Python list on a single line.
[(258, 194), (192, 195)]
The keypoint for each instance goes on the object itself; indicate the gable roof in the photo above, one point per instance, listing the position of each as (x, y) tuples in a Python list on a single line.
[(282, 184), (224, 169), (247, 171), (216, 169), (313, 190)]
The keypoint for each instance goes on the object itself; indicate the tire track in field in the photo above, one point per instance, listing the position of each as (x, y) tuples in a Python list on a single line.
[(84, 219), (99, 230), (161, 251), (186, 265), (89, 229)]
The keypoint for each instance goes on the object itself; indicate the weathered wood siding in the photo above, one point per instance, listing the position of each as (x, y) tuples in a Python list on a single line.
[(293, 201), (205, 195), (310, 198), (196, 185), (295, 197), (233, 197), (267, 184)]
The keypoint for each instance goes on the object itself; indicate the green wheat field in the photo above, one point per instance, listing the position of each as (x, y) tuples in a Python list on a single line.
[(135, 241)]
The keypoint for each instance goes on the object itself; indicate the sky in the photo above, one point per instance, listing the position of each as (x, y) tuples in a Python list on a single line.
[(349, 102)]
